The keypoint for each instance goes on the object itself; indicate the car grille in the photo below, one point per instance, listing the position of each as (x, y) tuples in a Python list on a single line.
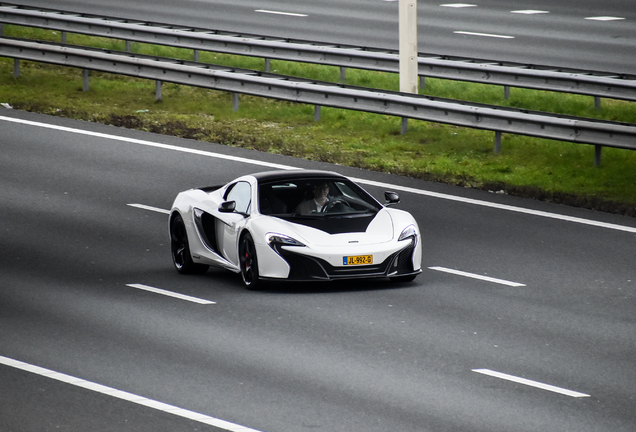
[(303, 267), (403, 263)]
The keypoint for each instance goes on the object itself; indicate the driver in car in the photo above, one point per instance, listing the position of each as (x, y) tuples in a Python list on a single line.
[(315, 204)]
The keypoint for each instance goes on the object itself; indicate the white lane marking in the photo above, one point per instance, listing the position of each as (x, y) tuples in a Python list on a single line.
[(458, 5), (130, 397), (147, 207), (148, 143), (170, 294), (362, 181), (483, 34), (531, 383), (499, 206), (476, 276), (604, 18), (529, 12), (280, 13)]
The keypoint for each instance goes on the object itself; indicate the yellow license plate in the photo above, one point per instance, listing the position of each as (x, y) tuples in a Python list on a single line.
[(357, 260)]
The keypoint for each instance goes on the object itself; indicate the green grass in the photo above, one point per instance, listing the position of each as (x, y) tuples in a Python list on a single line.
[(537, 168)]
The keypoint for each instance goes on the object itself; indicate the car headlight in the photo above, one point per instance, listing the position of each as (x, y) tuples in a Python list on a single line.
[(281, 240), (409, 231)]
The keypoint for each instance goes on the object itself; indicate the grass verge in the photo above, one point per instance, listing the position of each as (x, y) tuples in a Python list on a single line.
[(529, 167)]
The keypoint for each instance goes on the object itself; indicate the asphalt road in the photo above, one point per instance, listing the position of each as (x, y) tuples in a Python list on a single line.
[(583, 34), (365, 356)]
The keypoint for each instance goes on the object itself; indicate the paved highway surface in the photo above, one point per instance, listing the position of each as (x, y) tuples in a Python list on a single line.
[(546, 344), (582, 34)]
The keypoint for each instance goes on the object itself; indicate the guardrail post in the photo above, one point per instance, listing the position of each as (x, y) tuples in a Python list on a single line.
[(343, 71), (1, 29), (85, 79), (405, 125), (63, 38), (317, 112), (506, 92), (16, 68), (497, 141), (158, 90), (128, 46), (597, 155), (597, 102), (268, 65), (422, 82), (235, 102), (196, 55)]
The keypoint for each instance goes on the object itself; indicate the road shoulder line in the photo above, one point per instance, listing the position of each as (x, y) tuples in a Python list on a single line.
[(130, 397)]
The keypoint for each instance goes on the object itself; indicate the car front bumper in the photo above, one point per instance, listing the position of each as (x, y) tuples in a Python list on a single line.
[(304, 267)]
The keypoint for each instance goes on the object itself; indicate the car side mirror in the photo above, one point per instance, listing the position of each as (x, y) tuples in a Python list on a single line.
[(227, 207), (391, 197)]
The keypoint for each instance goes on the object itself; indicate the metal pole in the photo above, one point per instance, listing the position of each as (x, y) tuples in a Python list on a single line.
[(497, 141), (235, 101), (317, 112), (85, 73), (158, 90), (597, 155), (408, 50), (408, 46), (16, 68)]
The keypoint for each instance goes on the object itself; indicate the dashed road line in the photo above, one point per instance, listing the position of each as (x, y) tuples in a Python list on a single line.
[(605, 18), (123, 395), (524, 12), (147, 207), (531, 383), (529, 12), (458, 5), (476, 276), (170, 294), (280, 13), (483, 34)]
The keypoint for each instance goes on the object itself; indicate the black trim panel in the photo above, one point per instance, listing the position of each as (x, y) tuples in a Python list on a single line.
[(303, 267), (205, 224)]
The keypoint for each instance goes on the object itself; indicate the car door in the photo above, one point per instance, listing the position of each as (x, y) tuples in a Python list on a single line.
[(232, 222)]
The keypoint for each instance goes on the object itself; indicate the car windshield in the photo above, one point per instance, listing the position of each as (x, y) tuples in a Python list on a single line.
[(324, 197)]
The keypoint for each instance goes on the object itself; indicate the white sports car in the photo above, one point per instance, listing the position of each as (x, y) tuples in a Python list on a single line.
[(297, 225)]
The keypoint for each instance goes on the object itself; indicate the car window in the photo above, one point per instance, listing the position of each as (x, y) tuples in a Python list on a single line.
[(296, 196), (241, 193)]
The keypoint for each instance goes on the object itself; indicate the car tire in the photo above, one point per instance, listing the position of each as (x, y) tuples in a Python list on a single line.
[(180, 249), (249, 263)]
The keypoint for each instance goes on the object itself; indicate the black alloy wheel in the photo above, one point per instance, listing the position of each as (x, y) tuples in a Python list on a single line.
[(181, 250), (248, 262)]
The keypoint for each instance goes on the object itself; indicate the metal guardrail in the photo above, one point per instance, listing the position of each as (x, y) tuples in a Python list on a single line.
[(405, 105), (597, 84)]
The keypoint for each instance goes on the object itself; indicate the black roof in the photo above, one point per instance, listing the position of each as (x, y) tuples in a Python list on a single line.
[(297, 174)]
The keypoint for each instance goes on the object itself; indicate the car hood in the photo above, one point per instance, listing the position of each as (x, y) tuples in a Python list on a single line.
[(335, 231)]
